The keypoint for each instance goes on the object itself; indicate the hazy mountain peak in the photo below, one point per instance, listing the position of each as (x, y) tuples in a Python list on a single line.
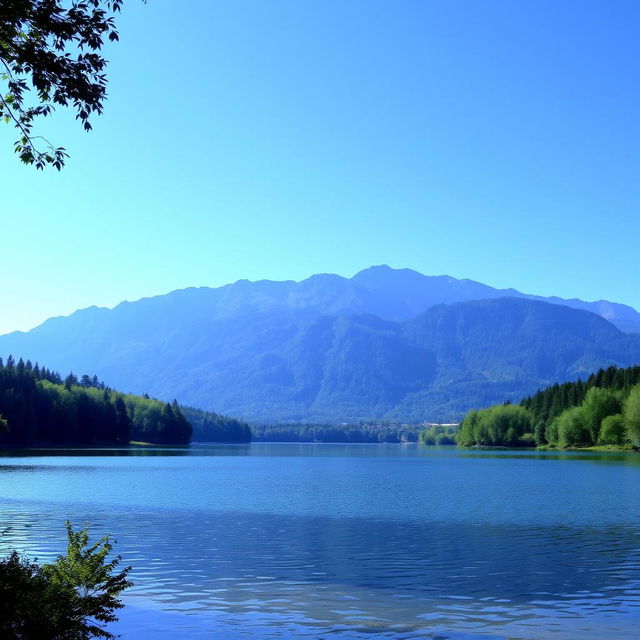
[(381, 272), (390, 293)]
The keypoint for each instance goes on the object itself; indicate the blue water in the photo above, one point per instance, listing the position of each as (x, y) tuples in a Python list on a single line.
[(347, 541)]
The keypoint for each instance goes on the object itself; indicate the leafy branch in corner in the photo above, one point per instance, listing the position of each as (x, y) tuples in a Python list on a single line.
[(50, 56)]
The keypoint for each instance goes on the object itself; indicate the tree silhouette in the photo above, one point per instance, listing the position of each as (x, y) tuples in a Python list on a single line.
[(50, 56)]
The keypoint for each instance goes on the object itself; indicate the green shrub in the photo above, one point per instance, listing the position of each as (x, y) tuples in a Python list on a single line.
[(612, 430), (72, 598), (572, 430)]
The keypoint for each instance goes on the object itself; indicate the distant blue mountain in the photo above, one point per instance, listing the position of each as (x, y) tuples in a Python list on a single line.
[(384, 344), (410, 293)]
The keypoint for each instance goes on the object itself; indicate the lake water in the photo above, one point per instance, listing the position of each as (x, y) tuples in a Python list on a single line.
[(347, 541)]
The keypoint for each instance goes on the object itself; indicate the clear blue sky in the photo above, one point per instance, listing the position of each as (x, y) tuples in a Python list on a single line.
[(498, 141)]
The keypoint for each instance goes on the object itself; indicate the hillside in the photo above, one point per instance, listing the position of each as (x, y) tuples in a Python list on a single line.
[(38, 407), (330, 349), (602, 410)]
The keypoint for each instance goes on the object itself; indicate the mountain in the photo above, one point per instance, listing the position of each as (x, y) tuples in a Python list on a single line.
[(391, 294), (490, 348), (403, 293), (383, 344)]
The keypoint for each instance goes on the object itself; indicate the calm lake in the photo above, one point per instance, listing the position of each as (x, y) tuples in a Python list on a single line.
[(346, 541)]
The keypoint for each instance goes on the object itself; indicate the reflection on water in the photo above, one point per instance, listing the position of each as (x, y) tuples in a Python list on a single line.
[(346, 541)]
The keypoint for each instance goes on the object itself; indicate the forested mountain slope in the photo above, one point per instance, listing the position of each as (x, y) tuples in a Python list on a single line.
[(272, 352)]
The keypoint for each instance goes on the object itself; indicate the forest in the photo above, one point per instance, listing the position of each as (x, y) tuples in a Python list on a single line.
[(604, 410), (213, 427), (38, 406)]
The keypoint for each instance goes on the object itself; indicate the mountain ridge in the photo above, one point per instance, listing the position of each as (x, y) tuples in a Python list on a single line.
[(275, 351), (347, 296)]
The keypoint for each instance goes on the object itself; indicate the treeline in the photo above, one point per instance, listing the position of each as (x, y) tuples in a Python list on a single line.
[(364, 433), (213, 427), (549, 403), (40, 407), (439, 434), (155, 421), (505, 425), (603, 410)]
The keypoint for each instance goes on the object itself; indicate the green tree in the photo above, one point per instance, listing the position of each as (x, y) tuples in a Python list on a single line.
[(539, 433), (123, 422), (632, 415), (468, 429), (572, 430), (72, 598), (50, 56), (612, 430), (502, 425), (71, 381), (598, 404), (551, 433), (436, 434)]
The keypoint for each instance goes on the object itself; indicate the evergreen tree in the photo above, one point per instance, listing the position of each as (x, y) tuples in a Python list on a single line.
[(71, 381), (123, 422)]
